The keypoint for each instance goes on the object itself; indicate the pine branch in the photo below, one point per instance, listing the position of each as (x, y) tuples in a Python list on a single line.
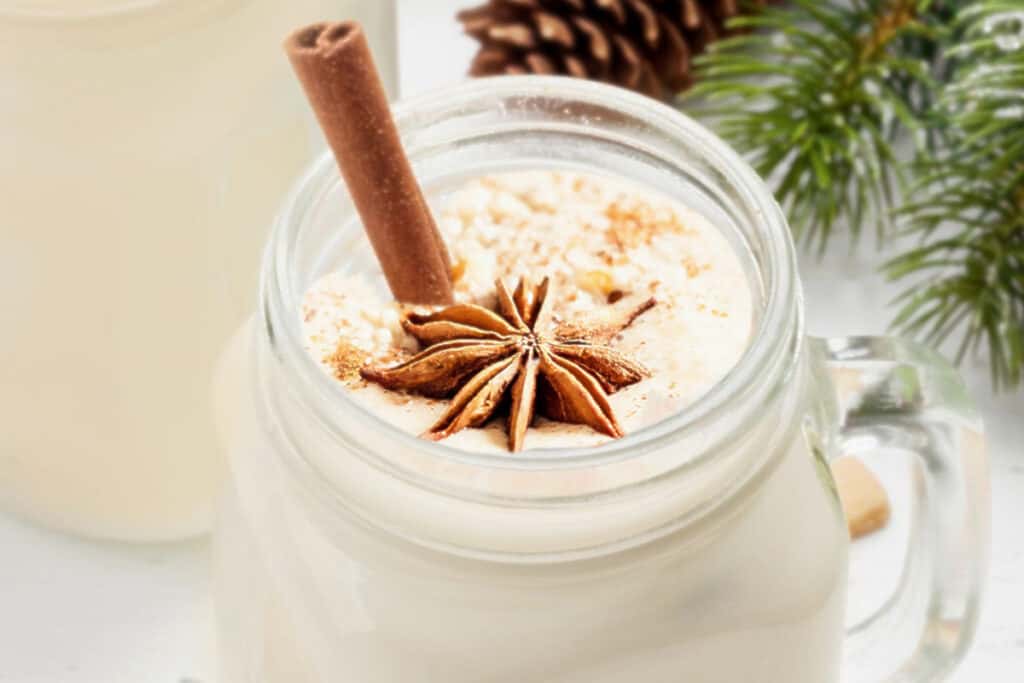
[(972, 283), (814, 96)]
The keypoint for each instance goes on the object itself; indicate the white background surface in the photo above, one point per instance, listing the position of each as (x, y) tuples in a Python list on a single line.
[(77, 612)]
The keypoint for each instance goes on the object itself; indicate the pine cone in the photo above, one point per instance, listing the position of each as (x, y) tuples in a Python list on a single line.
[(644, 45)]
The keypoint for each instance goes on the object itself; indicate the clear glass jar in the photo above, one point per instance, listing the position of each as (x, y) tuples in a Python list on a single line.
[(709, 547), (143, 145)]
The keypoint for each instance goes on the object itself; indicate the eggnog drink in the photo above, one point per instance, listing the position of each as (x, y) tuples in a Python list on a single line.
[(143, 148), (581, 558)]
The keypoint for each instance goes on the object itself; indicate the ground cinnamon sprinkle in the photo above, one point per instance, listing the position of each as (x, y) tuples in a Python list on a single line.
[(634, 223), (346, 361), (609, 248)]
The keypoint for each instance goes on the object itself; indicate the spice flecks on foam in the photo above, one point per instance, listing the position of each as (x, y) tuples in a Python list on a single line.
[(608, 247)]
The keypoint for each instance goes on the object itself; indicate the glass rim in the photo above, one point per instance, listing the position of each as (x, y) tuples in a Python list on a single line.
[(769, 358)]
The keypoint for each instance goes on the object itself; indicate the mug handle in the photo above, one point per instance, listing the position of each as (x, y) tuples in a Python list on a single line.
[(898, 399)]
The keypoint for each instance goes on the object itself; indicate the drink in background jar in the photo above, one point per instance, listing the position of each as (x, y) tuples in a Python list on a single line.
[(143, 146)]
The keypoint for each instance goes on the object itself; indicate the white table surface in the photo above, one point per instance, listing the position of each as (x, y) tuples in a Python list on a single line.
[(78, 612)]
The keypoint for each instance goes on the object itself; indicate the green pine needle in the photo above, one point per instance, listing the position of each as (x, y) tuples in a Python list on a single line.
[(814, 95), (971, 283)]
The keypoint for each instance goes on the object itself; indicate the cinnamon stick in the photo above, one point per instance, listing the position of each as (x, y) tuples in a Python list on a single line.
[(334, 65)]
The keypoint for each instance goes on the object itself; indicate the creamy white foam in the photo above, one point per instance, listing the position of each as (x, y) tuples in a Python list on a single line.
[(601, 241)]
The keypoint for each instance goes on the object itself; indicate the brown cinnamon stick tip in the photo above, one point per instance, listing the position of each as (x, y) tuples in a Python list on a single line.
[(321, 36), (333, 62)]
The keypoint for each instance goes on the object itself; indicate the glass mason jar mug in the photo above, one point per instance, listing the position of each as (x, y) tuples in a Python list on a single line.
[(144, 143), (708, 547)]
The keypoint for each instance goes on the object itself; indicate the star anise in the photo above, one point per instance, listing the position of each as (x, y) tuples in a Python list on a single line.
[(479, 357)]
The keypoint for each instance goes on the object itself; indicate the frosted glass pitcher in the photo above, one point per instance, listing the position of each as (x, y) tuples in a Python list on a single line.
[(143, 146), (709, 547)]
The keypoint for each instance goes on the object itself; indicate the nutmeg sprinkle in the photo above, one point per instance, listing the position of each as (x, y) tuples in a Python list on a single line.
[(609, 248)]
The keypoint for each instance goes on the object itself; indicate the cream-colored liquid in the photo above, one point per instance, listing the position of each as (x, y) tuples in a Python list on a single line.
[(143, 151), (753, 594), (346, 559)]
